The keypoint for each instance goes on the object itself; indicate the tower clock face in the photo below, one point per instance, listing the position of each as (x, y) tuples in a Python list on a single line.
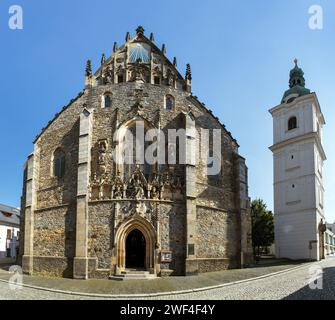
[(139, 52)]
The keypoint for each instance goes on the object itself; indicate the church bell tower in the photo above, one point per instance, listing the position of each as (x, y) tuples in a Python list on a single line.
[(298, 158)]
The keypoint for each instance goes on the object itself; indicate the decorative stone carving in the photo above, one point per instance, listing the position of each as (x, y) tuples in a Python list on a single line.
[(117, 187), (137, 183), (154, 187), (102, 151), (119, 70), (109, 75), (170, 77), (139, 95), (102, 154), (138, 73), (101, 188), (141, 208), (138, 208), (159, 186), (138, 190), (156, 71)]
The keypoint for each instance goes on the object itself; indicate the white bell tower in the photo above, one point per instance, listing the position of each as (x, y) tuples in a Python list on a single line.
[(298, 157)]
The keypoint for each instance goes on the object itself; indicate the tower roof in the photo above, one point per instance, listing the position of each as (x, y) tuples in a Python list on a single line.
[(296, 83)]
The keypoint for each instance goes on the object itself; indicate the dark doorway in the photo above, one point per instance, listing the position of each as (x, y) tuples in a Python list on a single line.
[(135, 250)]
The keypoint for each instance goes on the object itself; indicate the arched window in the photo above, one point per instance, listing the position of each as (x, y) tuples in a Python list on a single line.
[(169, 102), (292, 123), (107, 100), (59, 163), (135, 149)]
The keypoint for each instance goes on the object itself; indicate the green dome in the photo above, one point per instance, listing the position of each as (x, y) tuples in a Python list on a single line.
[(301, 91), (297, 82)]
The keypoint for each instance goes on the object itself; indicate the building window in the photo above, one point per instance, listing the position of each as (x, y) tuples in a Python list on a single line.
[(139, 52), (169, 102), (9, 234), (107, 100), (136, 151), (120, 78), (59, 163), (292, 123), (157, 80)]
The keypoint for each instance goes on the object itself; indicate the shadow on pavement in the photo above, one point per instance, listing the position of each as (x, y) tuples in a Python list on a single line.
[(6, 263), (326, 293)]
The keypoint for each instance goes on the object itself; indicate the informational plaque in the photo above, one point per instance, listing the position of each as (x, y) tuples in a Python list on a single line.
[(166, 256)]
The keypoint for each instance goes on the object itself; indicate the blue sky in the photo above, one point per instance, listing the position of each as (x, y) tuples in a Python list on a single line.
[(240, 52)]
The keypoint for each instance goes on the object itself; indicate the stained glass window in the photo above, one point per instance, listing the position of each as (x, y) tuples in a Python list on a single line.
[(139, 52)]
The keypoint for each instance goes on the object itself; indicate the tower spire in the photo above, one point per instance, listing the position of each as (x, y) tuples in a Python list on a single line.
[(88, 74), (188, 75), (188, 78), (297, 76), (88, 70), (163, 49), (140, 31), (296, 82), (115, 47), (103, 59)]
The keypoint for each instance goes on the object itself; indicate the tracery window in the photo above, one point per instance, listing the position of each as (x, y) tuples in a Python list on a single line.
[(135, 148), (139, 52)]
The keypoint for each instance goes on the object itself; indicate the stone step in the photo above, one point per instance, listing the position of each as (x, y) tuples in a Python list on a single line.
[(135, 272), (145, 275)]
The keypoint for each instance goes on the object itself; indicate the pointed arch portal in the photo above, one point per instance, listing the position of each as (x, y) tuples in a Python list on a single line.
[(135, 245), (135, 250)]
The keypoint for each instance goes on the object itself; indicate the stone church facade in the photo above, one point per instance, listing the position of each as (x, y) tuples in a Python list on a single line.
[(86, 216)]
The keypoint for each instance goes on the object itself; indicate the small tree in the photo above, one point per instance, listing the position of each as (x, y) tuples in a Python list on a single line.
[(262, 225)]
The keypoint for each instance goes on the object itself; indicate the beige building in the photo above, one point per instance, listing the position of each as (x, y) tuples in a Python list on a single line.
[(88, 216)]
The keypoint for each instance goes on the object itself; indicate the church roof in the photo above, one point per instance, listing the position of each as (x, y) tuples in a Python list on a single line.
[(195, 99), (138, 54), (58, 114)]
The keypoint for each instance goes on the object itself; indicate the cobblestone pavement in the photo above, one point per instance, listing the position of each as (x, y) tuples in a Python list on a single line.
[(167, 284), (294, 285), (291, 285)]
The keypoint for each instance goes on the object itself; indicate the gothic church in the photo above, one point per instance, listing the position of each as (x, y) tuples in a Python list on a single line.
[(86, 216)]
